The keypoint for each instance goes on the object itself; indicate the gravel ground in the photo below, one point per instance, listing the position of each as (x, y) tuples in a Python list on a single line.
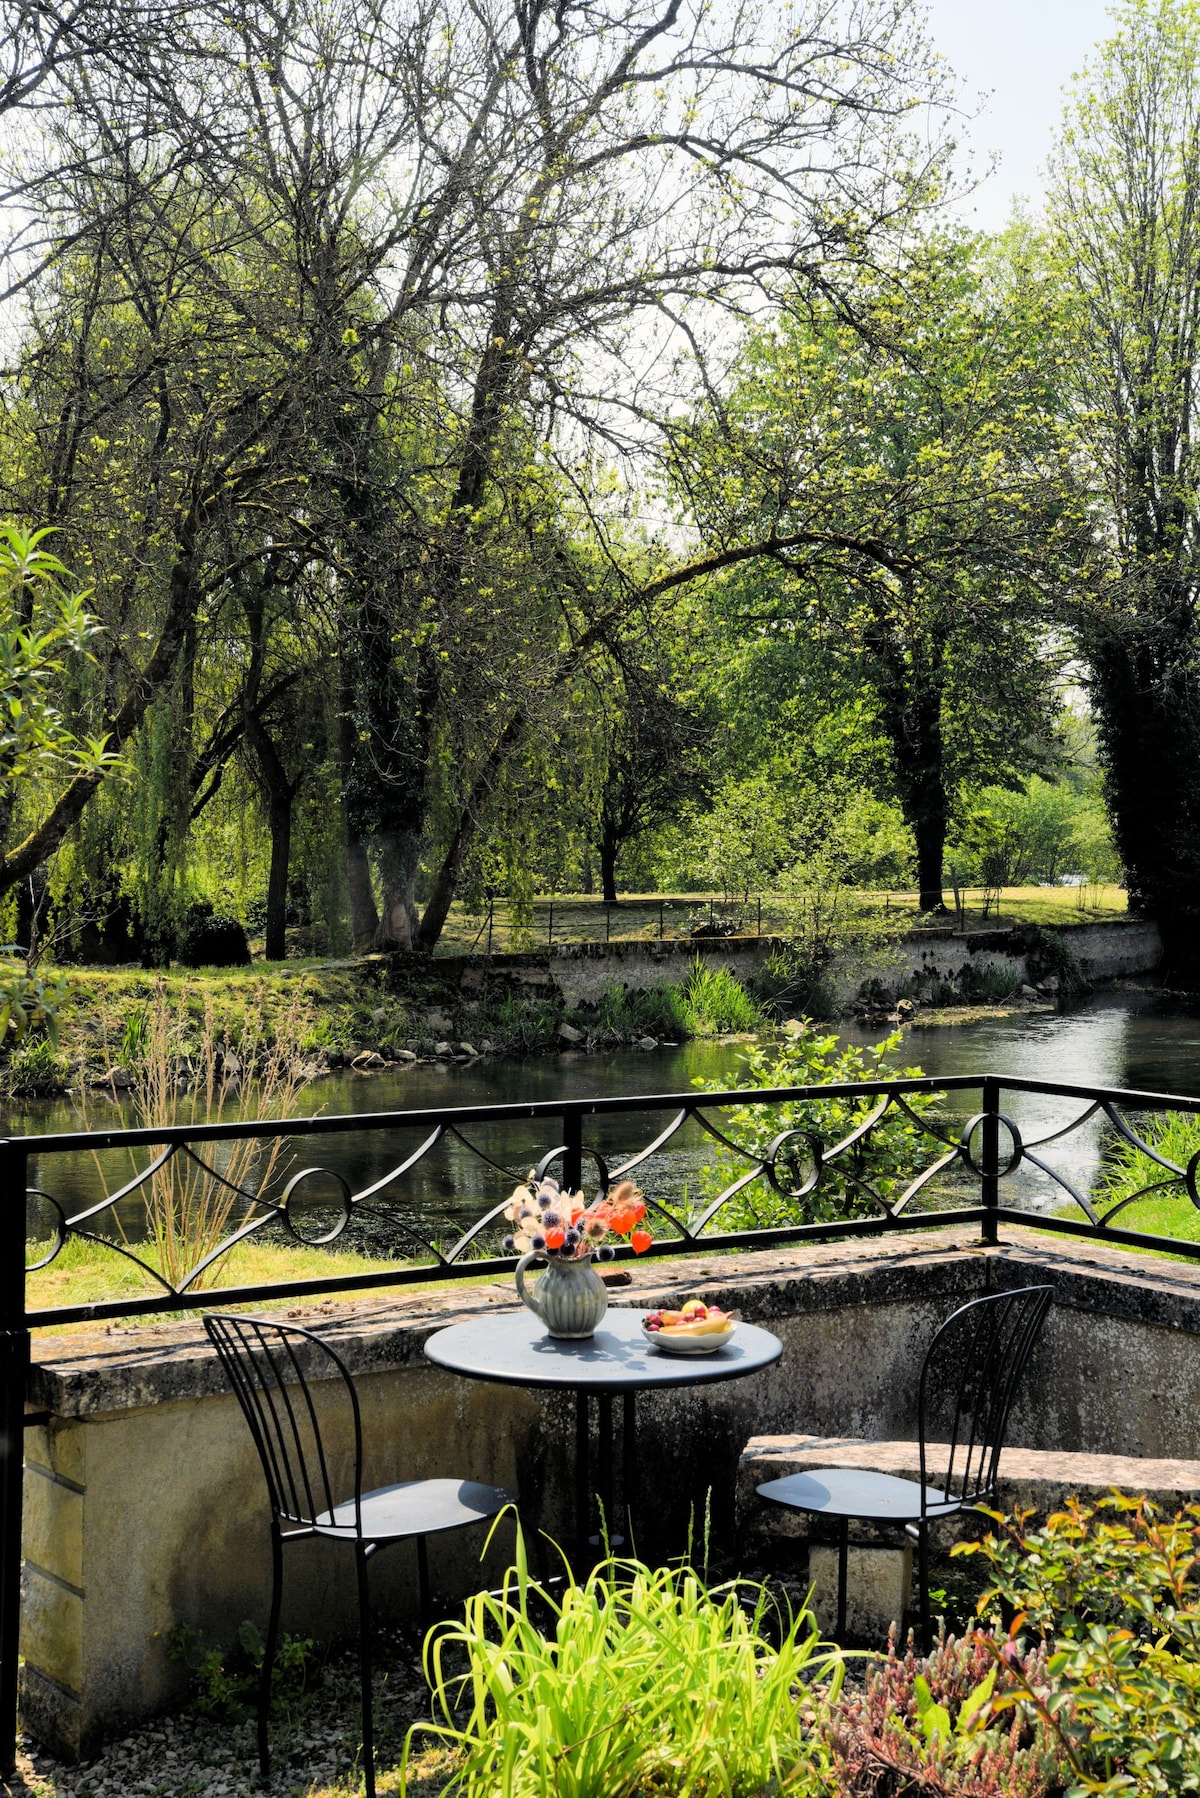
[(314, 1746)]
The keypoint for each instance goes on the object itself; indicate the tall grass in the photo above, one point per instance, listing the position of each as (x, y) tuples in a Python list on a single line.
[(714, 1002), (181, 1076), (1168, 1210), (636, 1682)]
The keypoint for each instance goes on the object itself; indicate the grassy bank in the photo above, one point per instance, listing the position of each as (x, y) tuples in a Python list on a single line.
[(332, 1015)]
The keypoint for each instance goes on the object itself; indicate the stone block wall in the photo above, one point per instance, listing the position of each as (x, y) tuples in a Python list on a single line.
[(145, 1502)]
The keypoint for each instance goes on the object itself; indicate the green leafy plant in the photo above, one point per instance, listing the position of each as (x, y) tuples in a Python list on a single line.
[(882, 1160), (636, 1682), (1113, 1590), (224, 1682)]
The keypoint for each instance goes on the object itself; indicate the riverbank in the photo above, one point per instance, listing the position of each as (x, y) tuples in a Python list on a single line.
[(380, 1011)]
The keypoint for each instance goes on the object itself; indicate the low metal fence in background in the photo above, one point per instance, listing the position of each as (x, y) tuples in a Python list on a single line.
[(424, 1193), (500, 925)]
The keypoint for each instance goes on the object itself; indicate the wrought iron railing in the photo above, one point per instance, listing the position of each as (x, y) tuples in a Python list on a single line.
[(423, 1194)]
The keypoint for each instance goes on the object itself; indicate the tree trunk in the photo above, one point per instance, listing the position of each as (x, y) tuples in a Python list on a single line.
[(280, 825), (281, 793), (607, 850), (398, 857), (1142, 690), (929, 829), (364, 919)]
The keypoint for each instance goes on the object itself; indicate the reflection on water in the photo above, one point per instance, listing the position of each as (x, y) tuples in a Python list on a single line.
[(1116, 1040)]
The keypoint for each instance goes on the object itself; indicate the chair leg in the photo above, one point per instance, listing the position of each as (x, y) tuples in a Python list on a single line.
[(423, 1600), (364, 1667), (923, 1589), (272, 1643), (843, 1560)]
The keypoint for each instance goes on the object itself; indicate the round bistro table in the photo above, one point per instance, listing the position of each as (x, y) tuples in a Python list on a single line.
[(617, 1362)]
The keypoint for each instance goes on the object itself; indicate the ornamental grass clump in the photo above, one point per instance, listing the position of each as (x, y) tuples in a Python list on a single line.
[(186, 1072), (637, 1683)]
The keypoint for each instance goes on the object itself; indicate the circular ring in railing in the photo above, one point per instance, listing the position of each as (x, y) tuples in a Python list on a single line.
[(1189, 1175), (316, 1211), (1016, 1152), (552, 1155), (52, 1223), (780, 1160)]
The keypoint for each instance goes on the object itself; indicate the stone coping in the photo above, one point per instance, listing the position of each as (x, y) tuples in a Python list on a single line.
[(126, 1366), (1043, 1478)]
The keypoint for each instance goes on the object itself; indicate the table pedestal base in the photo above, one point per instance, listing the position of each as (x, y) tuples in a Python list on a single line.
[(608, 1518)]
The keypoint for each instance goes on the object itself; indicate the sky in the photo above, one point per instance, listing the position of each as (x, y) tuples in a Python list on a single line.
[(1014, 56)]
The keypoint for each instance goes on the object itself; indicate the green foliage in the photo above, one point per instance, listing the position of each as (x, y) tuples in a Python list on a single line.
[(1114, 1591), (34, 1069), (883, 1160), (28, 997), (1126, 1170), (225, 1682), (635, 1682), (1032, 836), (933, 1727), (714, 1001), (623, 1013), (787, 983)]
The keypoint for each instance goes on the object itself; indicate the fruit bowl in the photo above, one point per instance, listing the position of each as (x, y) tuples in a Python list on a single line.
[(688, 1345)]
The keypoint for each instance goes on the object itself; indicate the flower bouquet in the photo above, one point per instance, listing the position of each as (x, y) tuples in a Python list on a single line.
[(551, 1222), (556, 1227)]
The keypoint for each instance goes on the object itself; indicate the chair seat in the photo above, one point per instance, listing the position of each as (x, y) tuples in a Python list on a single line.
[(415, 1508), (858, 1492)]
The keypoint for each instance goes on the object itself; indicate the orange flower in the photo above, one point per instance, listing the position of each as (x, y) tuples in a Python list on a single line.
[(555, 1238), (640, 1240)]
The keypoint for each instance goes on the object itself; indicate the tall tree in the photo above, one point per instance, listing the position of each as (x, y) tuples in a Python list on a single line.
[(497, 221), (1124, 208), (904, 459)]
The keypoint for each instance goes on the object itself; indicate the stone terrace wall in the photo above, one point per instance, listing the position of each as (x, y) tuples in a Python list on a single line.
[(145, 1506)]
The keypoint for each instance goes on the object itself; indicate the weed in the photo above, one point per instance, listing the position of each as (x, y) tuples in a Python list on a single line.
[(990, 984), (181, 1079), (34, 1069), (225, 1683)]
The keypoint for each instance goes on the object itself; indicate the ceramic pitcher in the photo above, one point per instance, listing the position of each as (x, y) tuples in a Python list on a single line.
[(570, 1298)]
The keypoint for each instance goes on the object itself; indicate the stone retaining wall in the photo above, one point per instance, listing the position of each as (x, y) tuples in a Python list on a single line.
[(578, 973), (145, 1505)]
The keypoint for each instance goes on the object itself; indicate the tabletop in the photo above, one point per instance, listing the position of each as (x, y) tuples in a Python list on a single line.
[(516, 1350)]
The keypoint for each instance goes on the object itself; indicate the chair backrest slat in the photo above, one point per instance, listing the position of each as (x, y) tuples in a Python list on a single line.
[(968, 1382), (270, 1367)]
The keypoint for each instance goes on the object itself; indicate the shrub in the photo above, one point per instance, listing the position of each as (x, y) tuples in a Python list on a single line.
[(1113, 1590), (934, 1728), (216, 942), (882, 1161), (635, 1684)]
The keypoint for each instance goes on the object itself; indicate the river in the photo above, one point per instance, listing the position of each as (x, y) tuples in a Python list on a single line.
[(1116, 1039)]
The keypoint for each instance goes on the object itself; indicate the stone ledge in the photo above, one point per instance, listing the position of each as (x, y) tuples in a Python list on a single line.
[(124, 1367), (1040, 1480)]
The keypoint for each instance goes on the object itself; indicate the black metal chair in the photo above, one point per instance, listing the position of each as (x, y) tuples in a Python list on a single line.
[(269, 1367), (968, 1382)]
